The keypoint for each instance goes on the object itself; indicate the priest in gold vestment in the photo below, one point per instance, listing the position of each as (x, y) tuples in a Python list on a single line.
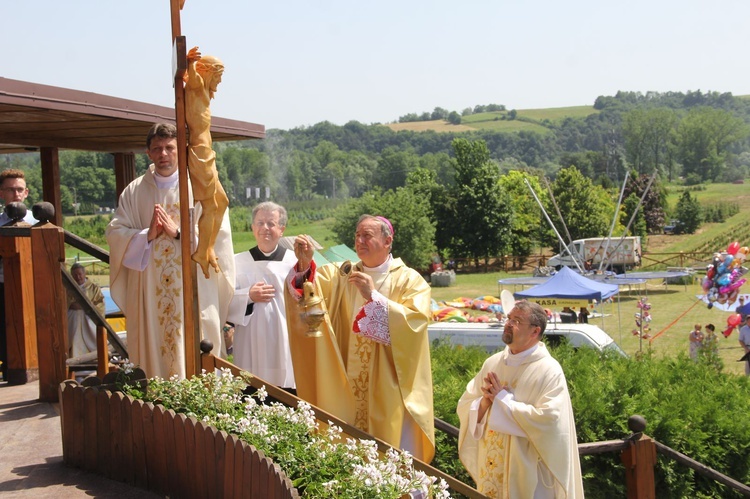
[(371, 366), (518, 436)]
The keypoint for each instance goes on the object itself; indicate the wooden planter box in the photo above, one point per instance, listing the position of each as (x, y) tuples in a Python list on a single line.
[(124, 439)]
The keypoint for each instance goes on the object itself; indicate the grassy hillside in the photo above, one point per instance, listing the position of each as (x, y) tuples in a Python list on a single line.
[(526, 119), (710, 236)]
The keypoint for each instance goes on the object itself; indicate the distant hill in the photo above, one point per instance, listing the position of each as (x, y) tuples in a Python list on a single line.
[(537, 120)]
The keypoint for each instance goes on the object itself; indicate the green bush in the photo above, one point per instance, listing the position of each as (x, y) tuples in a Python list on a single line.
[(89, 228), (691, 407)]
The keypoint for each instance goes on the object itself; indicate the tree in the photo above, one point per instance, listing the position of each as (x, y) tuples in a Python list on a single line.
[(688, 212), (647, 134), (454, 118), (639, 226), (654, 204), (393, 167), (703, 140), (528, 224), (482, 214), (439, 114), (587, 208), (414, 233)]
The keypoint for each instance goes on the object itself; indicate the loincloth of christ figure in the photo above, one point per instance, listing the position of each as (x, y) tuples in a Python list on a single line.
[(202, 78)]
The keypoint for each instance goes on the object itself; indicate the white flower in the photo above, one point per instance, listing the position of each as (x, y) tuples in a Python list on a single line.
[(127, 367)]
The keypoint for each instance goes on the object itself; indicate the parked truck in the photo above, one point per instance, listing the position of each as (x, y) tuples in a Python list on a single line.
[(622, 254)]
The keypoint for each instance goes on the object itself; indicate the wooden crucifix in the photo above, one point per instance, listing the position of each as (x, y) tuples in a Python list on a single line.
[(191, 327)]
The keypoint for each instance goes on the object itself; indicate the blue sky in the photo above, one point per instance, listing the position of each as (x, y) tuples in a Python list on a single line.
[(295, 63)]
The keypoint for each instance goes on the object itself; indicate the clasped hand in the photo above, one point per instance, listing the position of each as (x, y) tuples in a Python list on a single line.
[(161, 222), (492, 386)]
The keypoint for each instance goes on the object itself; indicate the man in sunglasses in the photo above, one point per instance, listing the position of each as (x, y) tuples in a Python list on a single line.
[(518, 435)]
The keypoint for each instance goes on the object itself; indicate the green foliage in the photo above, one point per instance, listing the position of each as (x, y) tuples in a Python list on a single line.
[(719, 212), (703, 140), (409, 213), (638, 227), (689, 406), (89, 228), (648, 133), (587, 208), (654, 203), (393, 167), (688, 212), (528, 226), (479, 221)]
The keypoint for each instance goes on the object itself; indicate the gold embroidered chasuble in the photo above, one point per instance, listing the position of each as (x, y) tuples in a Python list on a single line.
[(152, 299), (385, 390), (505, 466)]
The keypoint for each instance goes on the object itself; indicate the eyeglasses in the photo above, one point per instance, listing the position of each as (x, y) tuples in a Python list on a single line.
[(270, 225), (516, 323), (19, 190)]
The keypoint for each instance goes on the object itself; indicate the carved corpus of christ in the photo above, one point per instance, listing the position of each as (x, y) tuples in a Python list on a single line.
[(201, 81)]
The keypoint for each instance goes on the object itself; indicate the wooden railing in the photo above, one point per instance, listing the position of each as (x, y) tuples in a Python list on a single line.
[(130, 441), (638, 454), (104, 331)]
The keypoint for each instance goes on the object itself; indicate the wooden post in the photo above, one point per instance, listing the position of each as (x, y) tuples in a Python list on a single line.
[(20, 315), (48, 250), (51, 181), (102, 351), (639, 459), (124, 171)]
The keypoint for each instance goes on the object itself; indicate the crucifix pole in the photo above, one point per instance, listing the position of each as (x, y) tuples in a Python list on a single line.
[(191, 328)]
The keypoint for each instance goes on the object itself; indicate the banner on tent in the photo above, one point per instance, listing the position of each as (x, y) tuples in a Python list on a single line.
[(559, 302)]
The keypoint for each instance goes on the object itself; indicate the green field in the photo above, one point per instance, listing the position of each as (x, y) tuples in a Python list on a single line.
[(493, 120)]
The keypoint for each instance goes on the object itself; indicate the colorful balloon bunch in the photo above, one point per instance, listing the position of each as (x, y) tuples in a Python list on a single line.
[(733, 321), (724, 276), (643, 319)]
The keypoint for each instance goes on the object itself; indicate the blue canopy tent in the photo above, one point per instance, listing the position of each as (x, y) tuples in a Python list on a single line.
[(567, 284)]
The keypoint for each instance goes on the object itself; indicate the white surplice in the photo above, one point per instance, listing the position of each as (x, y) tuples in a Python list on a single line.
[(261, 341)]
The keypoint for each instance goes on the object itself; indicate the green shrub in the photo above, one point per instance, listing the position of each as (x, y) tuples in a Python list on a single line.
[(89, 228), (689, 406)]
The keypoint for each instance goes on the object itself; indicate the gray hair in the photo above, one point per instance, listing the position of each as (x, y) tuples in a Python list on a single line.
[(271, 206), (537, 315), (77, 266), (384, 227)]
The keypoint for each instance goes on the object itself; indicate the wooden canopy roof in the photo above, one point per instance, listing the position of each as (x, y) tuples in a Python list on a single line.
[(34, 116)]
